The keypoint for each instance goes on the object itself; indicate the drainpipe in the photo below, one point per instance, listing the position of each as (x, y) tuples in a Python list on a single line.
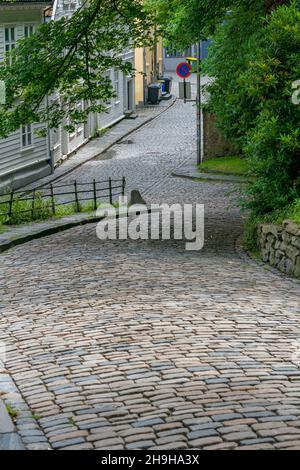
[(155, 76), (199, 100), (50, 152), (46, 19)]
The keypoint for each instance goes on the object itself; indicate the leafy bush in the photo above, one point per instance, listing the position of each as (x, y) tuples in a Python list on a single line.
[(255, 63), (291, 212)]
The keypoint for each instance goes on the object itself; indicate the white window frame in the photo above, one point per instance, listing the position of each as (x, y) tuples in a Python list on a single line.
[(30, 28), (27, 133), (117, 85), (10, 40)]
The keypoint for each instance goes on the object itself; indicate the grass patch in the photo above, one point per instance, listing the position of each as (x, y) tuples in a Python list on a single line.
[(35, 417), (13, 412), (23, 212), (293, 212), (235, 165)]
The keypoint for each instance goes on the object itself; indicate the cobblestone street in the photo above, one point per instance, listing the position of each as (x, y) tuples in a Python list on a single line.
[(143, 345), (148, 155)]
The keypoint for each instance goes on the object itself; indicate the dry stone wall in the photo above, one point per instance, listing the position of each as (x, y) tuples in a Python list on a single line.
[(280, 246)]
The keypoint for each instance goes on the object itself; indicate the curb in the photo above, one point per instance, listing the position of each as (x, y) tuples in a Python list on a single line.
[(212, 177), (9, 438), (24, 431), (44, 232)]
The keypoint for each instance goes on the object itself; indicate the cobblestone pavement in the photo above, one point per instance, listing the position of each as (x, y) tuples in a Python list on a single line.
[(142, 345), (148, 155)]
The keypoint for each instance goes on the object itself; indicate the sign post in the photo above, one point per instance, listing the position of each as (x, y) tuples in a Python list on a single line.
[(184, 70), (199, 103)]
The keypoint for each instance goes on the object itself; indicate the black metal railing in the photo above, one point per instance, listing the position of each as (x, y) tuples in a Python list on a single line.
[(37, 204)]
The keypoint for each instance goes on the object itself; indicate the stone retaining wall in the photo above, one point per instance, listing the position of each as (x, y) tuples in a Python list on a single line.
[(280, 246)]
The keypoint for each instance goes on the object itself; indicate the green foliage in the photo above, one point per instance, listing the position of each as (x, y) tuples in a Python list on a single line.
[(23, 211), (255, 60), (13, 412), (68, 60), (273, 144), (235, 39), (183, 22), (291, 212), (250, 233)]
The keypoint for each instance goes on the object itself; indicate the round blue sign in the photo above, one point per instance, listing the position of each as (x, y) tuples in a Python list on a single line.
[(184, 70)]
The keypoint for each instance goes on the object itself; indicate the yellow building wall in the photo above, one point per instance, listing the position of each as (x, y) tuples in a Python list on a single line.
[(148, 67)]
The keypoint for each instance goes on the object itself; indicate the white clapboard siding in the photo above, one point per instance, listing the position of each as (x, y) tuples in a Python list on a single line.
[(115, 111), (65, 8), (13, 158)]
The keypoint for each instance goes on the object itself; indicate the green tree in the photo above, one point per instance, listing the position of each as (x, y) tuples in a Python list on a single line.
[(184, 22), (71, 57), (254, 60)]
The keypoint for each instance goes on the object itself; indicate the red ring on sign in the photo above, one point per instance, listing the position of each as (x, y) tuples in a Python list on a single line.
[(184, 70)]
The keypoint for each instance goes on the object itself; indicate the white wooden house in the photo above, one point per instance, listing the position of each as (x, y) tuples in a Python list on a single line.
[(24, 157), (63, 143)]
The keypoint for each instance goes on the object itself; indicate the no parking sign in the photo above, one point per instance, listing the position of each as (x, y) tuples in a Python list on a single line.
[(184, 70)]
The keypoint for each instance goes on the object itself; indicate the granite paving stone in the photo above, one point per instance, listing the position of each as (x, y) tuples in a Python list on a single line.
[(141, 344)]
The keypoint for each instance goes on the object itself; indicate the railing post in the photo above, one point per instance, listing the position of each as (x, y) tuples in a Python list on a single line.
[(10, 208), (52, 199), (76, 196), (95, 195), (110, 192), (33, 204)]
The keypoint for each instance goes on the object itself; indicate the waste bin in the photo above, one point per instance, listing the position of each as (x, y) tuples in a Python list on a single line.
[(163, 85), (154, 93), (168, 83)]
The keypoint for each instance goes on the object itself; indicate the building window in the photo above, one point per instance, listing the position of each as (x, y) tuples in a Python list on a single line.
[(117, 84), (28, 31), (26, 139), (171, 53), (10, 40)]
